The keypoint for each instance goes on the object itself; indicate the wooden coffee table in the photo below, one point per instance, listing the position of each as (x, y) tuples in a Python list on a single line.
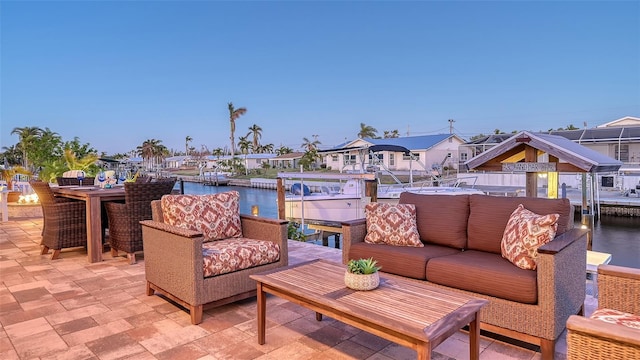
[(407, 312)]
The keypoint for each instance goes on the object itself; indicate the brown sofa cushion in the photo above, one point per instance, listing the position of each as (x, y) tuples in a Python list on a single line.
[(441, 219), (489, 215), (484, 273), (400, 260)]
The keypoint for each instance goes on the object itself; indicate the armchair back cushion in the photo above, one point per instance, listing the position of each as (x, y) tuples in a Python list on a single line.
[(216, 216), (489, 215)]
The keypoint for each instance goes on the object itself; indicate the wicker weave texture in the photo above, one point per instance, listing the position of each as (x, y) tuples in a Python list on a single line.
[(584, 346), (65, 222), (619, 289), (174, 262), (125, 231), (66, 181), (619, 293)]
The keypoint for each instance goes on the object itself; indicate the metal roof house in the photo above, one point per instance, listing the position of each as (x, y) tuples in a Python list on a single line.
[(431, 151)]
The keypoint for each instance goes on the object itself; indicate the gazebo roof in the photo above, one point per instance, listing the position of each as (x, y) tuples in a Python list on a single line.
[(572, 157)]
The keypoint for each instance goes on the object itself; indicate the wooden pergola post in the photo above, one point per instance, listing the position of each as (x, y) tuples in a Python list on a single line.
[(531, 155)]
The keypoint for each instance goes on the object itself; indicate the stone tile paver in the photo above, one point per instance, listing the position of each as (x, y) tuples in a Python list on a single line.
[(70, 309)]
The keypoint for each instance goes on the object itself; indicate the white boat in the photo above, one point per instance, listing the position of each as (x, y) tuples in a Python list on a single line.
[(390, 193), (346, 201), (333, 203)]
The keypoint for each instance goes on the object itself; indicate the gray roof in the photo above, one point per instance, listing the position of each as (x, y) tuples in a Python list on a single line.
[(601, 134), (558, 146)]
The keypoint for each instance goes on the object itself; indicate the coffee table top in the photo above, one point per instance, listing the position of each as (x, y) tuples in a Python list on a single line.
[(410, 307)]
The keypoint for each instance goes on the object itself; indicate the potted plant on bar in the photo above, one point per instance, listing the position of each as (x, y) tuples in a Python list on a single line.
[(362, 274)]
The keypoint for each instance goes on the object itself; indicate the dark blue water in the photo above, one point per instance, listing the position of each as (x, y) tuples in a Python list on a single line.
[(618, 236)]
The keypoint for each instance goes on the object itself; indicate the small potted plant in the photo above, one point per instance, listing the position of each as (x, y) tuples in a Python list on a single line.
[(362, 274)]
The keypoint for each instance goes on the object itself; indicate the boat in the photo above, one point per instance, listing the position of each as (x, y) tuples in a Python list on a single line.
[(390, 193), (215, 179), (332, 203)]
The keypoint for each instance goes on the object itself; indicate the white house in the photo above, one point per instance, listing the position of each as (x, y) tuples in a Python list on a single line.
[(431, 151)]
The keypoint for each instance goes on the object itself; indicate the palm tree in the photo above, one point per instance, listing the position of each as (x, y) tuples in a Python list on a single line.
[(187, 140), (152, 151), (234, 114), (391, 134), (310, 145), (27, 136), (266, 149), (367, 131), (12, 155), (244, 144), (283, 150), (256, 132)]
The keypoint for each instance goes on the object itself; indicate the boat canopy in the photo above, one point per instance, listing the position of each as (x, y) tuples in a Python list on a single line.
[(391, 148), (372, 148)]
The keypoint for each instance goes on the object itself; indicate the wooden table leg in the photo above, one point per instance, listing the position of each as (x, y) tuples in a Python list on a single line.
[(94, 230), (474, 338), (424, 352), (318, 316), (262, 308)]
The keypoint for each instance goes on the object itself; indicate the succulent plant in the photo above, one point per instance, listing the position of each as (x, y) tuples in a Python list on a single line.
[(362, 266)]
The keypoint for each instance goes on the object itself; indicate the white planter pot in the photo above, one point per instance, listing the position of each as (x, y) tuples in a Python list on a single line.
[(361, 282)]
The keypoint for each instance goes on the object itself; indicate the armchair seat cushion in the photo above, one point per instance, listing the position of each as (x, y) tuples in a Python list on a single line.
[(617, 317), (229, 255)]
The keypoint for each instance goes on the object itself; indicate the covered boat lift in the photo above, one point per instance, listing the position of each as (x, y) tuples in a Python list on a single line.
[(535, 153)]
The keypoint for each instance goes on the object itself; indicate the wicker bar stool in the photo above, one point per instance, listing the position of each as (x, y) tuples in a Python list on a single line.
[(64, 221), (125, 231)]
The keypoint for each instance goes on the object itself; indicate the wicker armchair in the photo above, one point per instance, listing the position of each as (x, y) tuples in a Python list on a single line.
[(64, 221), (173, 261), (125, 232), (618, 289), (65, 181)]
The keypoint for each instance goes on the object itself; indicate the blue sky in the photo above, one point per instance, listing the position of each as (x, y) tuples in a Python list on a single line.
[(118, 73)]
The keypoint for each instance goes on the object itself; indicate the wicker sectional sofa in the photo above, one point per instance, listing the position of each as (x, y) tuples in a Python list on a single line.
[(462, 235), (177, 262)]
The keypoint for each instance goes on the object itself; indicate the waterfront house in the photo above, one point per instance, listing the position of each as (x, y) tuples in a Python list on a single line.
[(433, 152), (286, 161)]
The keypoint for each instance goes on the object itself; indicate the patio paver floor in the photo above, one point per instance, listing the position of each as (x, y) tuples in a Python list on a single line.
[(70, 309)]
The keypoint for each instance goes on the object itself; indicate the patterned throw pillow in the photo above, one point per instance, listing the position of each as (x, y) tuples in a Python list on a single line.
[(617, 317), (392, 224), (216, 216), (525, 232)]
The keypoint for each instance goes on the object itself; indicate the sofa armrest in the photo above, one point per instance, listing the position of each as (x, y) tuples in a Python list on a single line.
[(353, 232), (599, 331), (619, 288), (274, 230), (563, 240), (561, 276), (173, 259)]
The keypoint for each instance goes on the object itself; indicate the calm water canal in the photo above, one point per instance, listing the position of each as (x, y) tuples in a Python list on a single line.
[(618, 236)]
